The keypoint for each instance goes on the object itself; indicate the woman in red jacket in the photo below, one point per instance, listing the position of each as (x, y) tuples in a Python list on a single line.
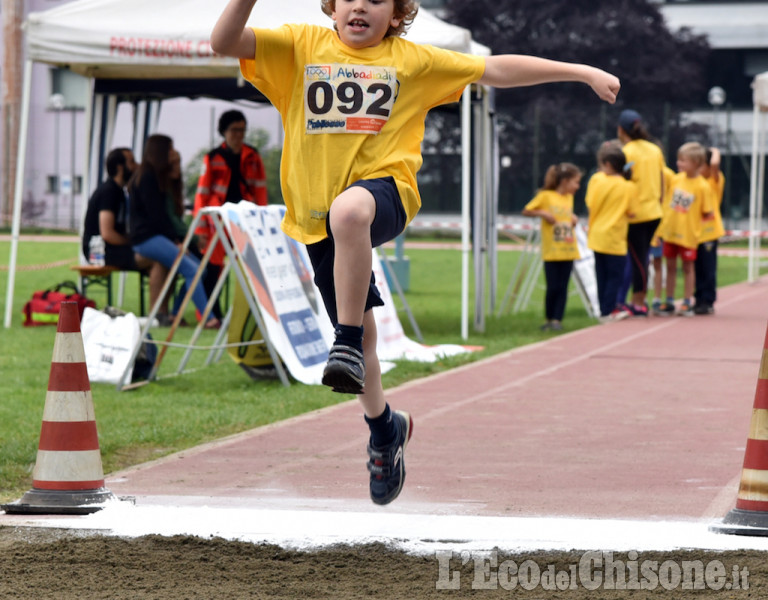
[(232, 172)]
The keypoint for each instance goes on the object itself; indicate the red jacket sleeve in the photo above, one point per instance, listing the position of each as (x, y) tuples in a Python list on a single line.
[(203, 197)]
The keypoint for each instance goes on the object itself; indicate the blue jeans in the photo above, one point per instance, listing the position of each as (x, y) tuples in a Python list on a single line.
[(164, 251), (609, 272)]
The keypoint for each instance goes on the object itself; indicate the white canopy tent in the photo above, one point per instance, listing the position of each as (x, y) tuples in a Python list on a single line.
[(151, 49), (757, 176)]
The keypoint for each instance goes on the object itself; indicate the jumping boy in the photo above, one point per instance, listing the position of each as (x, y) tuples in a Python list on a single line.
[(353, 102)]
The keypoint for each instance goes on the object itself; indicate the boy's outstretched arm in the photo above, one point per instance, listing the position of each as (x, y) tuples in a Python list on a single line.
[(517, 70), (230, 36)]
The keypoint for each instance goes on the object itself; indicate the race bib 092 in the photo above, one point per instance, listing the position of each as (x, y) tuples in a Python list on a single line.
[(342, 98)]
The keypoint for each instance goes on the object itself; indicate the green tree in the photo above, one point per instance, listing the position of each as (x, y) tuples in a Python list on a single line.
[(662, 74)]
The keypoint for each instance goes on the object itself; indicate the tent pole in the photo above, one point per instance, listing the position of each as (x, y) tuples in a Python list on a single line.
[(480, 222), (466, 149), (492, 160), (85, 190), (751, 261), (759, 197), (18, 192)]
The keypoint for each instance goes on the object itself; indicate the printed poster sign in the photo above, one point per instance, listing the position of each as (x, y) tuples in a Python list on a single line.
[(291, 323)]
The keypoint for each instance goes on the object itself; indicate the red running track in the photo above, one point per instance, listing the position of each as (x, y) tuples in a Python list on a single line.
[(644, 418)]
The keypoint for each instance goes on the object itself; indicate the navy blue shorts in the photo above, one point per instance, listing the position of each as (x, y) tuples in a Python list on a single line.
[(388, 223)]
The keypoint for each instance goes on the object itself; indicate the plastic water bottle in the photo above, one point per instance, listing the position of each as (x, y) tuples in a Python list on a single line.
[(96, 251)]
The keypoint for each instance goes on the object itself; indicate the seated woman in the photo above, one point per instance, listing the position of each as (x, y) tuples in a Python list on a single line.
[(155, 185)]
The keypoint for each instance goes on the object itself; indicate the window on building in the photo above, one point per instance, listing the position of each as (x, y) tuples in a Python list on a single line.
[(72, 87), (55, 184)]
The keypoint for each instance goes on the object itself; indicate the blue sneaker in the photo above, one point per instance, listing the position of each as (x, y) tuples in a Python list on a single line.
[(387, 465), (345, 370)]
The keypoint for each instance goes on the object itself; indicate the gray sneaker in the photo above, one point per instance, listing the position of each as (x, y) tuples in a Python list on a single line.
[(387, 465), (345, 370)]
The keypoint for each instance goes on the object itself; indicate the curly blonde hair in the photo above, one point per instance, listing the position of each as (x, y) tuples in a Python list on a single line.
[(405, 10)]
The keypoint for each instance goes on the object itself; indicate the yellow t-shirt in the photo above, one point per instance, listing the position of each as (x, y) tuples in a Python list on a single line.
[(350, 114), (557, 241), (712, 228), (647, 167), (609, 199), (687, 200), (667, 175)]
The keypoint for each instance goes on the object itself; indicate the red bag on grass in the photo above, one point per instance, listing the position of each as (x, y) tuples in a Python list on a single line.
[(45, 305)]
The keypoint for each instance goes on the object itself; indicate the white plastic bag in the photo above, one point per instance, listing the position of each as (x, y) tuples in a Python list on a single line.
[(108, 343)]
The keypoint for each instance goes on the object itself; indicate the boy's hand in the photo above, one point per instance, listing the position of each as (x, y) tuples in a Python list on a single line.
[(605, 85)]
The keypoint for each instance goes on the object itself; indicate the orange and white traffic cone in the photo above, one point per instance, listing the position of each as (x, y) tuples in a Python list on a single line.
[(68, 476), (750, 517)]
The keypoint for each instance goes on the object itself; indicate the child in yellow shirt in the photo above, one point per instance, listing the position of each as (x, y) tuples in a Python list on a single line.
[(687, 204), (554, 204), (705, 293), (611, 200)]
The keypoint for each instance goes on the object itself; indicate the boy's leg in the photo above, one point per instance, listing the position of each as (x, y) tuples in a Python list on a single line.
[(360, 218), (613, 278), (658, 265), (365, 215), (601, 270), (689, 278), (706, 279), (350, 219), (671, 276), (372, 397), (699, 271), (390, 430)]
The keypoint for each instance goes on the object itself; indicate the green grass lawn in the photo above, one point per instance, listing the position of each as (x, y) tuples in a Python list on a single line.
[(177, 412)]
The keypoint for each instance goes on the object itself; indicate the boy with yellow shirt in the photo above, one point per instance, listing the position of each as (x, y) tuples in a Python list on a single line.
[(611, 200), (689, 201), (712, 229), (353, 100)]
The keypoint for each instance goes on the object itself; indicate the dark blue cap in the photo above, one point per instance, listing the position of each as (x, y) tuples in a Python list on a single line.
[(628, 118)]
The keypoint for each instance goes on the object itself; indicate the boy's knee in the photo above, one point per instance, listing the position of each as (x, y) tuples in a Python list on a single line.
[(353, 209)]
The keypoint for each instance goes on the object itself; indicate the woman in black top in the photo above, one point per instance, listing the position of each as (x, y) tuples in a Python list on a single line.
[(154, 190)]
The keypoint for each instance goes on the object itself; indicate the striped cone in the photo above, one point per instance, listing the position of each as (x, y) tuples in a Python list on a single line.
[(68, 476), (750, 517)]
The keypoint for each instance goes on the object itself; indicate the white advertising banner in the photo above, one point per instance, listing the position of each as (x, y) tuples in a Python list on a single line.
[(584, 270), (392, 343), (270, 264)]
